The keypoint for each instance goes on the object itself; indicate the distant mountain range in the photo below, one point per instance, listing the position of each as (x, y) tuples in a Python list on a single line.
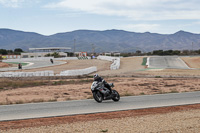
[(104, 41)]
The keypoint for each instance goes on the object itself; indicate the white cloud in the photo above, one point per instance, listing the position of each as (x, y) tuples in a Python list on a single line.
[(135, 9), (11, 3), (198, 23), (16, 3)]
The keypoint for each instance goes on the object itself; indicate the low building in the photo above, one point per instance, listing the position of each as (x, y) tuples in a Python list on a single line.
[(11, 56), (42, 52), (112, 54), (81, 54)]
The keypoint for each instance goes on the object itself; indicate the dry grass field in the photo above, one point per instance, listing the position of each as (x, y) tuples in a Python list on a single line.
[(131, 79), (17, 92)]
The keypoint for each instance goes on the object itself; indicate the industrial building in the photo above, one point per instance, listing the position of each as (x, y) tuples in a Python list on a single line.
[(42, 52)]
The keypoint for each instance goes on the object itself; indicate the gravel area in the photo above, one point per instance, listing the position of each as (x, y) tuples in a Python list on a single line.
[(128, 67)]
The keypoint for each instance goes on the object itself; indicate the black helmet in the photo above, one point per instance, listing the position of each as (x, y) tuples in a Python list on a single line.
[(96, 76)]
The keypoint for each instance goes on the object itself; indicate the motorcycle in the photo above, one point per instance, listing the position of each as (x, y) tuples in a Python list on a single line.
[(100, 92)]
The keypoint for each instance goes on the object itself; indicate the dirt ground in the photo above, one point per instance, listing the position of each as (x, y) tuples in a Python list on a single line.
[(2, 65), (126, 86), (192, 62), (131, 79)]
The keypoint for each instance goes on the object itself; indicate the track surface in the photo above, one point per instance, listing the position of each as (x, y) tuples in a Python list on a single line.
[(39, 110), (34, 64), (167, 62)]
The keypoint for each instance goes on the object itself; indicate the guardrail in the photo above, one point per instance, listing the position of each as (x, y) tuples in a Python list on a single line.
[(115, 60), (45, 59), (78, 72), (27, 74), (29, 59)]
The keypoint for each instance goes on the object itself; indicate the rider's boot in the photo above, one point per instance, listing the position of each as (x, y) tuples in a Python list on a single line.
[(110, 91)]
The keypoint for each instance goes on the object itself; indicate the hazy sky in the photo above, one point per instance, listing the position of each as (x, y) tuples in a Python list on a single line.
[(53, 16)]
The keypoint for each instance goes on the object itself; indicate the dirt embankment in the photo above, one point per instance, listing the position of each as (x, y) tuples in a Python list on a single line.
[(2, 65), (192, 62), (128, 67)]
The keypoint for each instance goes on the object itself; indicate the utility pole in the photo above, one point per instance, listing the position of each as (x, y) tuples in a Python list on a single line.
[(74, 46), (192, 47), (93, 49)]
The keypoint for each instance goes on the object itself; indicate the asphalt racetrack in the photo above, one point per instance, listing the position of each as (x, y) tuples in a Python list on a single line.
[(163, 62), (34, 64), (51, 109)]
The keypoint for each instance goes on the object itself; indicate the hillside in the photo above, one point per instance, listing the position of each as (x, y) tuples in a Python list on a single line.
[(104, 41)]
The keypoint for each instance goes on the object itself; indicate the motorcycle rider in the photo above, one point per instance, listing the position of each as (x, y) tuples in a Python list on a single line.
[(100, 79)]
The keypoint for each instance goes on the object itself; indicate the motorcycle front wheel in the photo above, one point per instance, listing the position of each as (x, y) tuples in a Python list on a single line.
[(98, 96), (116, 96)]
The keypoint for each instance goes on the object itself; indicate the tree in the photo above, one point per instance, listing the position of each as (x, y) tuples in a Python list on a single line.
[(138, 52), (198, 51), (3, 52), (176, 52), (55, 55), (158, 52), (9, 51), (47, 55), (185, 52), (1, 58), (70, 54), (18, 51)]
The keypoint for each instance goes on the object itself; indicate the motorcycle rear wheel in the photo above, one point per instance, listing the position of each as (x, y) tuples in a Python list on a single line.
[(116, 97), (98, 96)]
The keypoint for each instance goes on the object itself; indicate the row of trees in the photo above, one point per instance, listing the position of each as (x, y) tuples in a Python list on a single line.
[(162, 52), (175, 52), (168, 52), (17, 51)]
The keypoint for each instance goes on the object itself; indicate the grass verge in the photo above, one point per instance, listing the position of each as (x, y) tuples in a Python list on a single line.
[(23, 64), (144, 61)]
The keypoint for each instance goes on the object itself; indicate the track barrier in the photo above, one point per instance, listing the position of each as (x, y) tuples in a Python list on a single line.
[(115, 61), (78, 71), (27, 74)]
